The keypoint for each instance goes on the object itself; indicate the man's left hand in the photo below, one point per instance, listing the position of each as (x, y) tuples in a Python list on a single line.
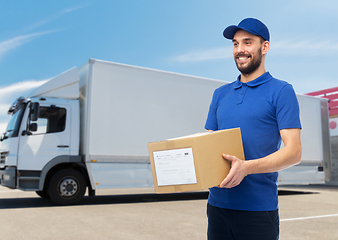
[(236, 174)]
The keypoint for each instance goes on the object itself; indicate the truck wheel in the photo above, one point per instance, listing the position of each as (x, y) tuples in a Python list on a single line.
[(67, 186), (43, 194)]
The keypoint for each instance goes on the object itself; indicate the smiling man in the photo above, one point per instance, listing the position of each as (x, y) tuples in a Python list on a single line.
[(245, 204), (249, 52)]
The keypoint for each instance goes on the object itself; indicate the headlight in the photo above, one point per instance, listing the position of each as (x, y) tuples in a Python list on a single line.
[(3, 156), (7, 177)]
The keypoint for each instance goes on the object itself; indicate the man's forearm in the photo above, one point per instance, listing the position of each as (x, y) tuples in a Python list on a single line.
[(283, 158), (279, 160)]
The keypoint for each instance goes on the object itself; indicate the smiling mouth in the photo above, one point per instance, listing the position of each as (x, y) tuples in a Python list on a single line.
[(242, 58)]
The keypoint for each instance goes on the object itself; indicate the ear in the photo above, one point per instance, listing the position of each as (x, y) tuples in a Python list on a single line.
[(265, 47)]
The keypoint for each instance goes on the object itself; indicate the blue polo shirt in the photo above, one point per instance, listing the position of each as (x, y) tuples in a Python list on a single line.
[(261, 108)]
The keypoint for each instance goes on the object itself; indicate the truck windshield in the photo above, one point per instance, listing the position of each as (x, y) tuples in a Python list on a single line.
[(13, 126)]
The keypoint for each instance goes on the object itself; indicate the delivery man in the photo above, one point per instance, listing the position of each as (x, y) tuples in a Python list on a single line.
[(245, 204)]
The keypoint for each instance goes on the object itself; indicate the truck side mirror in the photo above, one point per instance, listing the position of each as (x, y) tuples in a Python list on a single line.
[(34, 111), (33, 127)]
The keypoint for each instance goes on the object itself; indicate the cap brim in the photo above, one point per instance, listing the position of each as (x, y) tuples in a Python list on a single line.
[(230, 31)]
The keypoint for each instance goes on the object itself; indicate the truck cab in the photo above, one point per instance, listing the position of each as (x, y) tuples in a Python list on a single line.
[(41, 139)]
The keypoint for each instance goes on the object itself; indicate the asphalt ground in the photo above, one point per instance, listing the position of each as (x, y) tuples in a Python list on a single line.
[(306, 213)]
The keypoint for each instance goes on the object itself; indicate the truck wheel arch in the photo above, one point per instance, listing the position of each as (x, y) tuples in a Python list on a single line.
[(58, 163)]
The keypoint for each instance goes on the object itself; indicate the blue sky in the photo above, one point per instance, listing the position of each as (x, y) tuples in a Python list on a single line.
[(41, 39)]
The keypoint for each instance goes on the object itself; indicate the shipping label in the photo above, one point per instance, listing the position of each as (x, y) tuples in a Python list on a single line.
[(175, 167)]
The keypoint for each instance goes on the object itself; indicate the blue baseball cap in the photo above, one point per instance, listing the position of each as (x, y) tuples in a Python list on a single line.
[(250, 25)]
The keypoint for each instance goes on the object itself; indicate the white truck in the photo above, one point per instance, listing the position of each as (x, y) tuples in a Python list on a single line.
[(315, 166), (89, 128)]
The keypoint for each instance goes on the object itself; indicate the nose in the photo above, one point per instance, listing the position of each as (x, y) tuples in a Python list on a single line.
[(240, 48)]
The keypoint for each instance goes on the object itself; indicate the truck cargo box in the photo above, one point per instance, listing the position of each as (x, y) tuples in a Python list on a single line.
[(124, 107)]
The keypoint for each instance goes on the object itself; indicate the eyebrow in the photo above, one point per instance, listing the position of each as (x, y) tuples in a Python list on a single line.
[(244, 39)]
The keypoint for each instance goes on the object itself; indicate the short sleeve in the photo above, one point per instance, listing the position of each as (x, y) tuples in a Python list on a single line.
[(287, 109), (211, 122)]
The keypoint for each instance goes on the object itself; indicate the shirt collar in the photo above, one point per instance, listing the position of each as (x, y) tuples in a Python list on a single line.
[(258, 81)]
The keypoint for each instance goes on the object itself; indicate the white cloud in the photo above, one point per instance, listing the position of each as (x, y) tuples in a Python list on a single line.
[(2, 128), (8, 94), (311, 47), (53, 17), (16, 42), (18, 88), (204, 55), (3, 108)]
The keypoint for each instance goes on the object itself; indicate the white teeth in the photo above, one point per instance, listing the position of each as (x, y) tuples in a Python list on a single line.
[(242, 58)]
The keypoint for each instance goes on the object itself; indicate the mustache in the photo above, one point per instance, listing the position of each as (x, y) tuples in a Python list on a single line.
[(242, 55)]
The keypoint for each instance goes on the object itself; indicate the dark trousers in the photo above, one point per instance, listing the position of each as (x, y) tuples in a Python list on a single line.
[(227, 224)]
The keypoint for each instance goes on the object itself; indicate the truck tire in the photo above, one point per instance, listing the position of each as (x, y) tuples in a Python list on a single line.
[(67, 186), (43, 194)]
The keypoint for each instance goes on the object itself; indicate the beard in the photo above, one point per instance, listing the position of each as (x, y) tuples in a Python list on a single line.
[(252, 66)]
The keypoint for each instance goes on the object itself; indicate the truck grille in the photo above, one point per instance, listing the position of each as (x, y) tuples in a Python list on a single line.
[(3, 156)]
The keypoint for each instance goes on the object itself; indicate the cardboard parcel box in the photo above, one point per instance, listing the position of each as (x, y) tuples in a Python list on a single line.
[(193, 162)]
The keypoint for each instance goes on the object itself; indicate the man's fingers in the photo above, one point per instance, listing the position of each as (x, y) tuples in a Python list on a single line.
[(232, 180), (228, 183), (224, 182), (229, 157), (227, 180)]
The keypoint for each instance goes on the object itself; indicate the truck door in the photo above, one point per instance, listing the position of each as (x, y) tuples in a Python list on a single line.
[(49, 138)]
